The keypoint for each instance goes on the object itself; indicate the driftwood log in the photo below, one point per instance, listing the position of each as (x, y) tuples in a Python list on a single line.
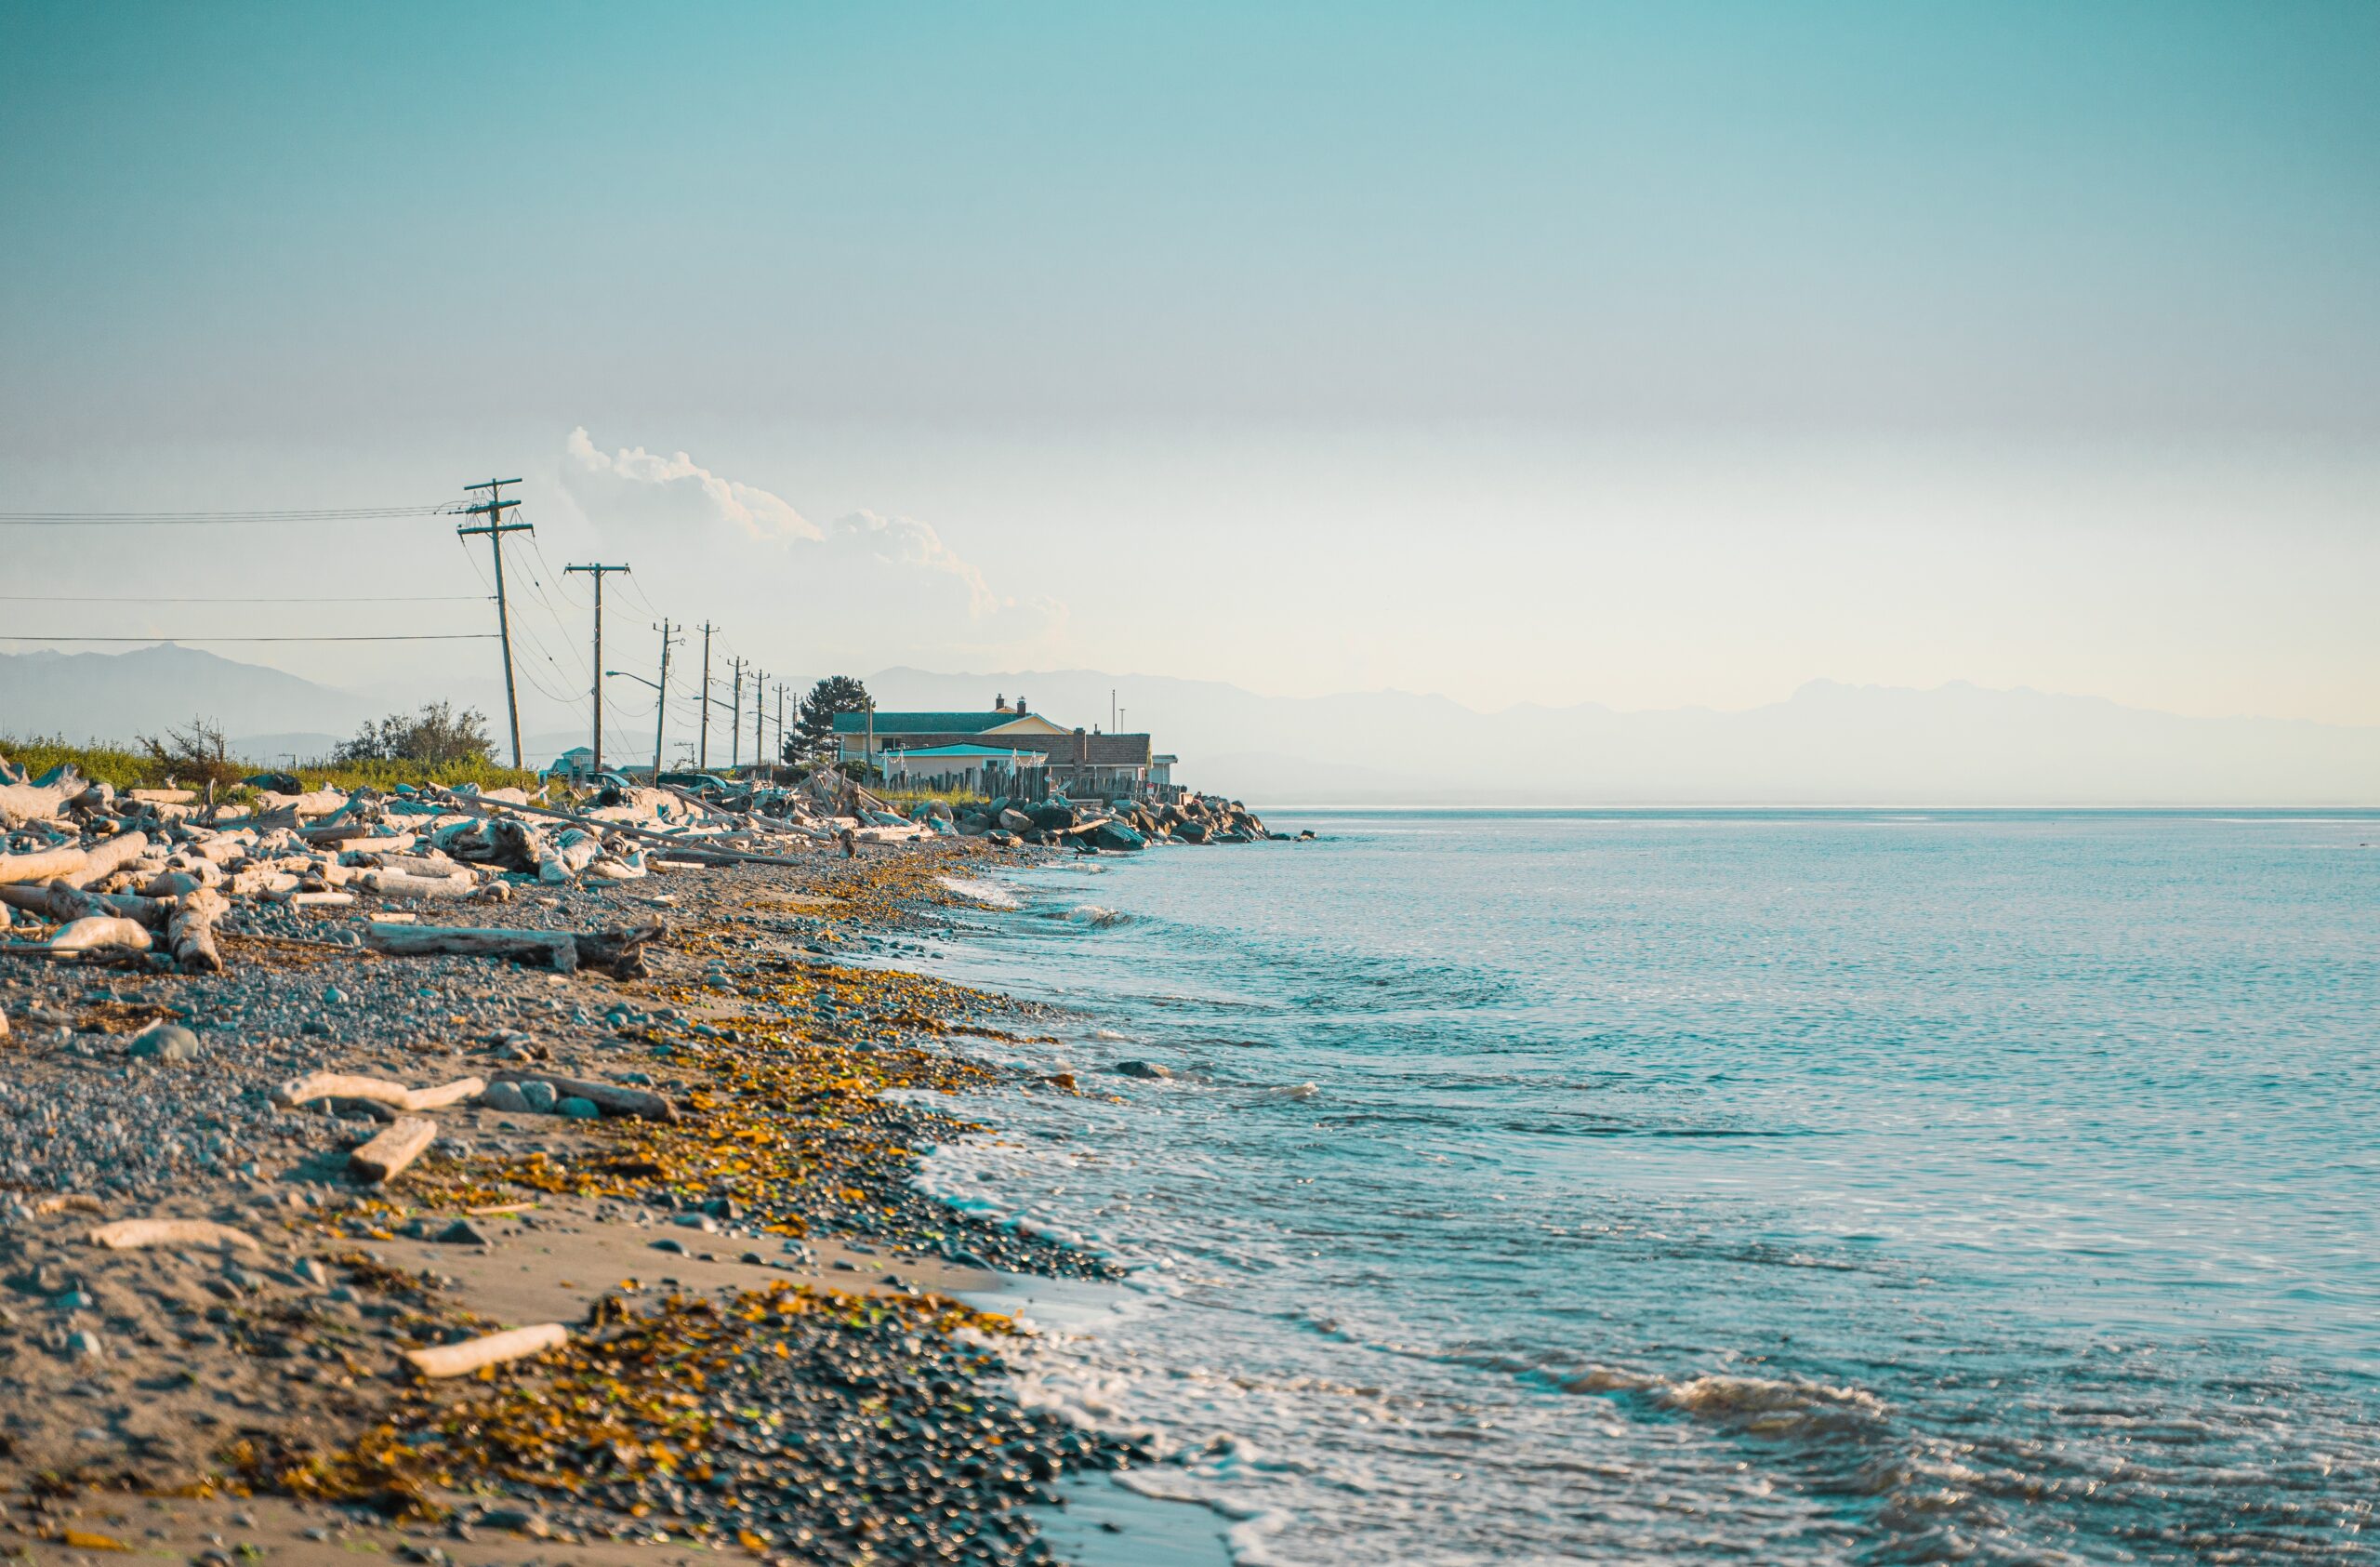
[(619, 951), (472, 1354), (386, 1157), (126, 1235), (609, 1098), (108, 857), (189, 934), (42, 865), (396, 1096), (21, 803), (95, 931)]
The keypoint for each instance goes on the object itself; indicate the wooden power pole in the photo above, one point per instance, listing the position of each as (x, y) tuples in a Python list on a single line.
[(735, 717), (702, 752), (496, 527), (759, 742), (661, 704), (598, 571)]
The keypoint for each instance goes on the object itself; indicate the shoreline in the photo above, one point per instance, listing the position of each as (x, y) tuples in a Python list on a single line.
[(769, 1233)]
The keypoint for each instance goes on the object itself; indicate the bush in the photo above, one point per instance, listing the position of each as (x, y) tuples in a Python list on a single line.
[(438, 735)]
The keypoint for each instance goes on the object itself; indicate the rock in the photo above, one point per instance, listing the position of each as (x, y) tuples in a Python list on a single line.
[(1142, 1069), (671, 1244), (1115, 835), (461, 1233), (577, 1110), (84, 1344), (519, 1521), (505, 1098), (539, 1097), (1015, 821), (163, 1041)]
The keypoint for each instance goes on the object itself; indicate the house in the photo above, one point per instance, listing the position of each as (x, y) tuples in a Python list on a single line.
[(1076, 762), (576, 762)]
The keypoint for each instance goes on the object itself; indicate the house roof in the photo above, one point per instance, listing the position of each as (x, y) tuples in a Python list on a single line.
[(944, 723)]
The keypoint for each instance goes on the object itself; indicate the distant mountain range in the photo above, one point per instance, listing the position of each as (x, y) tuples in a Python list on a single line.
[(1827, 744)]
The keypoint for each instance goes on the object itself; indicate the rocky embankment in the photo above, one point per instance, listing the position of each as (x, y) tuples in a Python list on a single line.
[(332, 1240), (1097, 825)]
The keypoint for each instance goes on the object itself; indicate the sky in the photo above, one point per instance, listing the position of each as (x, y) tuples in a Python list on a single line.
[(1653, 355)]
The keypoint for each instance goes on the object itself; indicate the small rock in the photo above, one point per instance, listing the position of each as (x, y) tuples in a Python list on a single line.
[(163, 1041), (84, 1344), (506, 1097), (540, 1095), (671, 1244), (461, 1233), (577, 1110), (1142, 1069)]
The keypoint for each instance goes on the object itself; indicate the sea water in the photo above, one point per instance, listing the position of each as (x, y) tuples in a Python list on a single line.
[(1761, 1186)]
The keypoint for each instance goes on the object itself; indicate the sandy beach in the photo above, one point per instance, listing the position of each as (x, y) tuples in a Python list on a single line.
[(764, 1354)]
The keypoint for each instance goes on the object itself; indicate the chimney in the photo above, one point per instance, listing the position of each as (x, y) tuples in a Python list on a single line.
[(1021, 709), (999, 704)]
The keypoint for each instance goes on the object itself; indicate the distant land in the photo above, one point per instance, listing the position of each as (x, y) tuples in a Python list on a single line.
[(1827, 744)]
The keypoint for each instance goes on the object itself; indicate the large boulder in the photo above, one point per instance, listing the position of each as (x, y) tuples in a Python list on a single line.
[(1117, 835)]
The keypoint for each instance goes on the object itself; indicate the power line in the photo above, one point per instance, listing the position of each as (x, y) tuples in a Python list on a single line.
[(160, 598), (408, 636), (218, 519)]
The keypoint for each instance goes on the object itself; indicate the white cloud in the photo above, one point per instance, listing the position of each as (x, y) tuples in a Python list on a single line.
[(865, 587), (638, 480)]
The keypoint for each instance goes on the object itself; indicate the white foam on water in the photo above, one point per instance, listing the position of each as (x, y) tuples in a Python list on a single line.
[(980, 891)]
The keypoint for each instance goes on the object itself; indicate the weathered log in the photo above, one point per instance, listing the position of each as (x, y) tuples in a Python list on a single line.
[(95, 931), (396, 883), (43, 865), (21, 803), (165, 796), (190, 933), (313, 900), (386, 1156), (342, 1086), (107, 857), (316, 802), (126, 1235), (495, 1349), (609, 1098), (62, 903), (556, 948)]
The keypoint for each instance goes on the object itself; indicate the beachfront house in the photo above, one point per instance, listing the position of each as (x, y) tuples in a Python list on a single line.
[(1077, 761)]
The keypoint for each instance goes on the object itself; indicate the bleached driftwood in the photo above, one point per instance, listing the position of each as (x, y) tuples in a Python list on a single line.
[(129, 1234), (396, 883), (21, 803), (314, 900), (68, 1202), (94, 930), (557, 948), (386, 1156), (495, 1349), (42, 865), (567, 855), (190, 933), (165, 796), (609, 1098), (107, 857), (60, 902), (317, 802), (343, 1085)]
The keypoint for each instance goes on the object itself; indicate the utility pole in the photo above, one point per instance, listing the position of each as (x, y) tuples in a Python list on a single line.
[(759, 741), (496, 527), (702, 756), (735, 717), (598, 571), (661, 704), (780, 720)]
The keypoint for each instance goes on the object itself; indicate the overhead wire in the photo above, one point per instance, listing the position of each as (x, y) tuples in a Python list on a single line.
[(222, 519)]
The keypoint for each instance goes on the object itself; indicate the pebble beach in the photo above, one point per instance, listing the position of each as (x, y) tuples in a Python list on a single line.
[(756, 1345)]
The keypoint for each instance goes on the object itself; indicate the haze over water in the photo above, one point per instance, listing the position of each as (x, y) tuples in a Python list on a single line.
[(1880, 1187)]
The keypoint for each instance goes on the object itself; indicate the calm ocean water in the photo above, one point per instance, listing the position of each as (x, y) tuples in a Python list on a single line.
[(1764, 1186)]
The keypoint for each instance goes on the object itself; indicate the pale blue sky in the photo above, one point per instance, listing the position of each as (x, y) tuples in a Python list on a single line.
[(1643, 353)]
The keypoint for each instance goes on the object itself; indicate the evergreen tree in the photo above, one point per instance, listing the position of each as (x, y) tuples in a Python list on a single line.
[(814, 729)]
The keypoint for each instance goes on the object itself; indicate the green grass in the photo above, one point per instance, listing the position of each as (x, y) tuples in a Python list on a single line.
[(132, 769), (957, 799)]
